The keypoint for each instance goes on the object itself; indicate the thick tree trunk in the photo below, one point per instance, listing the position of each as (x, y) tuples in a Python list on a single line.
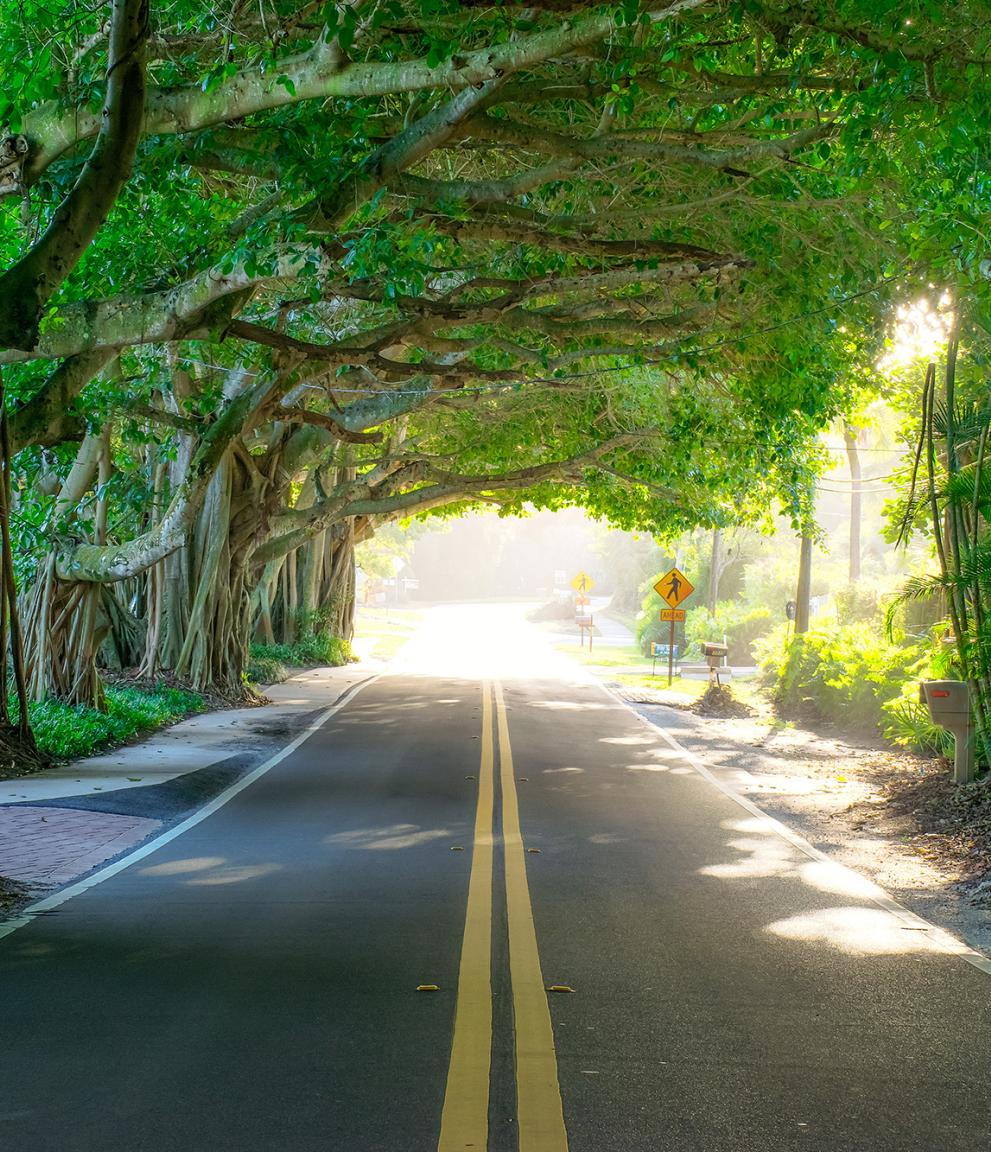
[(339, 594), (312, 592), (65, 622), (206, 612)]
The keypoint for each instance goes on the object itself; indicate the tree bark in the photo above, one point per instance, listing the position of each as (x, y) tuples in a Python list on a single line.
[(27, 287)]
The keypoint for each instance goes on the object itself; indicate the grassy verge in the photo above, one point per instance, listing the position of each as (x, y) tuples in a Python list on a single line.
[(605, 655), (66, 731), (270, 663), (687, 691), (626, 666), (382, 632)]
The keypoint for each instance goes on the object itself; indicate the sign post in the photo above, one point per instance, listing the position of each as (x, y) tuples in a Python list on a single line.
[(673, 587), (583, 584)]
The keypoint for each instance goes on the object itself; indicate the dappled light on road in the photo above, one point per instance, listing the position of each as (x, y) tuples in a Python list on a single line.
[(233, 874), (387, 839), (210, 871), (181, 867), (873, 928), (864, 932), (761, 858)]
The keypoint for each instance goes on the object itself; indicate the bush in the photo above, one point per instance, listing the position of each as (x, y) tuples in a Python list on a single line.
[(740, 625), (856, 602), (650, 630), (269, 663), (906, 723), (67, 731), (844, 675), (263, 669), (560, 608)]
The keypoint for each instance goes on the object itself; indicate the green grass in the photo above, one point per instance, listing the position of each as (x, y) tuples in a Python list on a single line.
[(68, 731), (690, 689), (270, 663), (605, 655), (746, 691)]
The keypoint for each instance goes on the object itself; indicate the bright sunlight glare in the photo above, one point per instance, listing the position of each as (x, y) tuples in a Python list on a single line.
[(920, 334)]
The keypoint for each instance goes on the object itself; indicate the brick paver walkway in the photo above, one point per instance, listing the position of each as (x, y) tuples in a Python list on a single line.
[(50, 846)]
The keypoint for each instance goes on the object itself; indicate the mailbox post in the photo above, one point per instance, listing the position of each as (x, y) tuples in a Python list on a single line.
[(714, 654), (948, 702)]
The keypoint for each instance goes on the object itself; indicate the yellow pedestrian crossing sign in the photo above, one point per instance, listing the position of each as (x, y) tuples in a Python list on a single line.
[(583, 583), (674, 587)]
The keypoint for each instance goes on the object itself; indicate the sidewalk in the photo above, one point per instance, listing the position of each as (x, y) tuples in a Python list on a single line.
[(62, 823)]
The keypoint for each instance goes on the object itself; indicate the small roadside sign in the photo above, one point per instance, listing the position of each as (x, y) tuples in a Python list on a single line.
[(674, 587), (583, 583), (675, 615)]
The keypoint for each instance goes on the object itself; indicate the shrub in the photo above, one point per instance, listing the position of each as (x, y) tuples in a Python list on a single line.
[(740, 625), (263, 669), (844, 675), (856, 602), (270, 662), (906, 723), (560, 608), (651, 630)]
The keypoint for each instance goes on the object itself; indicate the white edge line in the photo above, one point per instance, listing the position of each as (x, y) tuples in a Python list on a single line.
[(80, 886), (888, 903)]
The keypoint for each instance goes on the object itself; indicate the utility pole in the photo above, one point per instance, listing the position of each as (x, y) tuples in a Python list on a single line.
[(715, 569), (804, 586), (856, 500)]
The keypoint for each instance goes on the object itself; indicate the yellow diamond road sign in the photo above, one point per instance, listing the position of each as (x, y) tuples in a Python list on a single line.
[(583, 583), (674, 587)]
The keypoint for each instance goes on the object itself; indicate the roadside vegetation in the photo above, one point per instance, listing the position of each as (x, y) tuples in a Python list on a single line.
[(272, 663), (66, 731)]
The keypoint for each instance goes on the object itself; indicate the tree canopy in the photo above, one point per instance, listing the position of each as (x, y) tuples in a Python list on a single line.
[(275, 274)]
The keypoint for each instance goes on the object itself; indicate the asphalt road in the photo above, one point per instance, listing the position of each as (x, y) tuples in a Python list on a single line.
[(252, 985)]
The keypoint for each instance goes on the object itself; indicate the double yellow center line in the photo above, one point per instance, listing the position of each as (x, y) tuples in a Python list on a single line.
[(465, 1118)]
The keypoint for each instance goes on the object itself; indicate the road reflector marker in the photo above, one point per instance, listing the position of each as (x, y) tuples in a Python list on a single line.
[(457, 847), (535, 851), (469, 777), (560, 988), (428, 987)]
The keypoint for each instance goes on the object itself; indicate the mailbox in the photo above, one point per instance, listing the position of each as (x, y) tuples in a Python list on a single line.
[(712, 651), (948, 703), (714, 655)]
